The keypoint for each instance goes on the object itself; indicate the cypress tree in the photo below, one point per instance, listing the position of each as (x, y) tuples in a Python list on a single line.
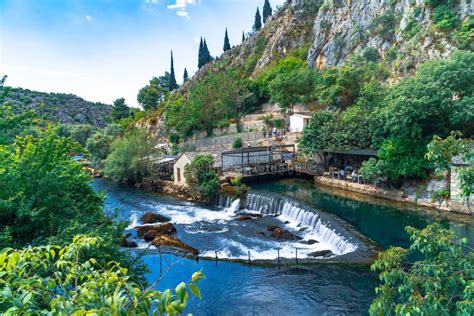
[(201, 54), (226, 41), (257, 25), (172, 82), (267, 11), (206, 55), (185, 75), (243, 36)]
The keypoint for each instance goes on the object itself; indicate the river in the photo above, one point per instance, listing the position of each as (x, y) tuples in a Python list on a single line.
[(320, 288)]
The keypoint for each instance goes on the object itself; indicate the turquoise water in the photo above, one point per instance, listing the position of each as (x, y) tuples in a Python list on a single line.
[(315, 289)]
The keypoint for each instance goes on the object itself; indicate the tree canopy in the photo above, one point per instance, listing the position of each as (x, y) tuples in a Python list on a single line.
[(172, 81), (432, 277), (150, 96), (257, 24), (267, 11), (226, 42)]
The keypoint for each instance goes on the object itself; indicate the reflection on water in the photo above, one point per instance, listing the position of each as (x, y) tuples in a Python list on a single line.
[(385, 224), (317, 289)]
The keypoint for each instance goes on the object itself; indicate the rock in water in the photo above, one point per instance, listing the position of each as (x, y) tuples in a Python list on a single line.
[(321, 253), (160, 229), (128, 243), (245, 218), (174, 243), (151, 218), (281, 233)]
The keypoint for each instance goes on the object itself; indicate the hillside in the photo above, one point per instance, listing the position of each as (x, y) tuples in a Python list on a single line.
[(59, 107), (383, 41)]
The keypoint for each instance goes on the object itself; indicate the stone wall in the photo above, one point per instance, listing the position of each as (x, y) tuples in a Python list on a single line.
[(458, 203)]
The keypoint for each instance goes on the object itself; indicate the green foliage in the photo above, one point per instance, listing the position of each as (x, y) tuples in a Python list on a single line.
[(120, 110), (237, 143), (372, 169), (125, 162), (226, 41), (80, 133), (423, 105), (267, 11), (204, 55), (150, 96), (65, 281), (172, 85), (463, 35), (439, 282), (43, 191), (212, 101), (185, 76), (99, 143), (293, 87), (13, 125), (257, 24), (240, 189), (444, 17), (403, 157), (57, 107), (280, 68), (440, 153), (201, 178)]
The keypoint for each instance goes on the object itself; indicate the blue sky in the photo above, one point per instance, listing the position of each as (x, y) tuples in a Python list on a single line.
[(105, 49)]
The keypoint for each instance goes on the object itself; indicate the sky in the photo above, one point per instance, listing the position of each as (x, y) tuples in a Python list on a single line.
[(102, 50)]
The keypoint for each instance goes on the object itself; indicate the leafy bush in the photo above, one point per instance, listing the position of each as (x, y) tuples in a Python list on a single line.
[(56, 280), (237, 143), (439, 282), (125, 162), (444, 17), (44, 193), (201, 178)]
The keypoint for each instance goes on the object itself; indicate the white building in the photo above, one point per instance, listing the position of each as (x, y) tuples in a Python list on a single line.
[(298, 121), (185, 159)]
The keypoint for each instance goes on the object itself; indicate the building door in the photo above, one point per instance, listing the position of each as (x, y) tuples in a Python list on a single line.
[(178, 170)]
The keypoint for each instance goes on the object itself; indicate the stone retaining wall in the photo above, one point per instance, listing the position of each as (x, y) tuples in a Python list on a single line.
[(394, 195)]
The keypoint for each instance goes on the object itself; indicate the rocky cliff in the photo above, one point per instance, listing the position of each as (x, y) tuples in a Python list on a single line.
[(331, 31), (393, 29)]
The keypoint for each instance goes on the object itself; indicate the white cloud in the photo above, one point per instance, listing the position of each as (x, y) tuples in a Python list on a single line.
[(179, 5), (88, 18)]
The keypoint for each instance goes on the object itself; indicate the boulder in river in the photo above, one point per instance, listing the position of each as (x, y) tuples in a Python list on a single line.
[(174, 244), (151, 218), (321, 253), (128, 243), (309, 242), (160, 229), (281, 233), (244, 217)]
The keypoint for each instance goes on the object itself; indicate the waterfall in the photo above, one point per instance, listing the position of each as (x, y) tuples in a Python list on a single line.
[(223, 201), (234, 207), (323, 226)]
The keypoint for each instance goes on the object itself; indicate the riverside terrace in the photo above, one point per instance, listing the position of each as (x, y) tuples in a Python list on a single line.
[(260, 160)]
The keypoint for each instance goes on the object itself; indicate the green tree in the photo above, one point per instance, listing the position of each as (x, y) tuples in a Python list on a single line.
[(243, 36), (65, 281), (185, 76), (439, 282), (257, 25), (150, 96), (126, 160), (201, 178), (80, 132), (293, 87), (120, 110), (43, 192), (267, 11), (172, 81), (207, 58), (226, 41), (201, 54), (99, 145)]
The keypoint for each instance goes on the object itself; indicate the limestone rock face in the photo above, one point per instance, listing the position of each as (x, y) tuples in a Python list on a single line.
[(343, 27)]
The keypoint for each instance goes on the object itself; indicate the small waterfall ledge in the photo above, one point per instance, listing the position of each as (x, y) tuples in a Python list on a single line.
[(321, 226)]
